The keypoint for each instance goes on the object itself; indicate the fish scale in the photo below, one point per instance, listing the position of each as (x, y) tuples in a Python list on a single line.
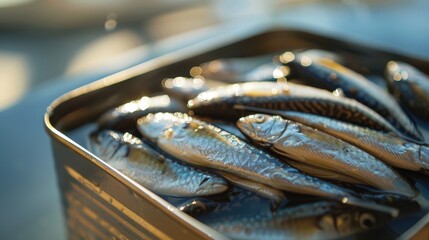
[(314, 147)]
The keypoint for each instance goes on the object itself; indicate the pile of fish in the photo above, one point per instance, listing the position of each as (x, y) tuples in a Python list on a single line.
[(318, 147)]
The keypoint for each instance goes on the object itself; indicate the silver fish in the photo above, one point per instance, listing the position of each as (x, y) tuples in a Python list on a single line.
[(219, 103), (332, 75), (389, 148), (204, 145), (152, 170), (316, 220), (410, 86), (125, 116), (302, 143)]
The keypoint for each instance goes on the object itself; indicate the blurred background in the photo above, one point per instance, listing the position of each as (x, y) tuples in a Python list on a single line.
[(49, 47)]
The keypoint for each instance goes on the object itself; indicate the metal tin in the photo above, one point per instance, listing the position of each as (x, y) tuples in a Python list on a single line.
[(100, 202)]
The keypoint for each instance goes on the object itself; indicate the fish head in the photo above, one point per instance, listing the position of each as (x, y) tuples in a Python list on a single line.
[(263, 129), (152, 126)]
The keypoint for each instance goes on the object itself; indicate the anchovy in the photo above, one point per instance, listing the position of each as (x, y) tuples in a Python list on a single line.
[(302, 143), (331, 75), (203, 145), (316, 220), (124, 117), (410, 86), (152, 170), (389, 148), (219, 103)]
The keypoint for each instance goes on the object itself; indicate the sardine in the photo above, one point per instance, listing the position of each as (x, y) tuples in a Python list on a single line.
[(410, 86), (124, 117), (302, 143), (389, 148), (316, 220), (203, 145), (219, 103), (151, 169), (325, 72)]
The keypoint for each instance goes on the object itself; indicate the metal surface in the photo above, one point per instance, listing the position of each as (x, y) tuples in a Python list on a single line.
[(100, 201)]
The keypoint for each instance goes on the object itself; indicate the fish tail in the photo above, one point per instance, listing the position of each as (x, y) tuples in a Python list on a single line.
[(353, 201)]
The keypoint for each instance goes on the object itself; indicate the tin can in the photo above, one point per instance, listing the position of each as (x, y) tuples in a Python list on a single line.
[(98, 201)]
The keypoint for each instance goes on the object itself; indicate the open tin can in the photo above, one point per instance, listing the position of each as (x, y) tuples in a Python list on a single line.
[(100, 202)]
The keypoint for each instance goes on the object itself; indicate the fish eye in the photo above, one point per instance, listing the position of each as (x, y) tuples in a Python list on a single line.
[(367, 221), (260, 118)]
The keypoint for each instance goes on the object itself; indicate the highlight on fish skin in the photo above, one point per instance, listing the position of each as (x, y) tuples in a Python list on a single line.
[(302, 143), (151, 169)]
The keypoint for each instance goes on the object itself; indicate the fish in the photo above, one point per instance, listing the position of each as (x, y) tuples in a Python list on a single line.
[(314, 220), (219, 103), (244, 69), (203, 145), (124, 117), (390, 148), (154, 171), (329, 74), (301, 143), (410, 86)]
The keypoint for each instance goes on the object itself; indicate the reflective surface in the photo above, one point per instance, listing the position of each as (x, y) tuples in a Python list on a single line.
[(29, 197)]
